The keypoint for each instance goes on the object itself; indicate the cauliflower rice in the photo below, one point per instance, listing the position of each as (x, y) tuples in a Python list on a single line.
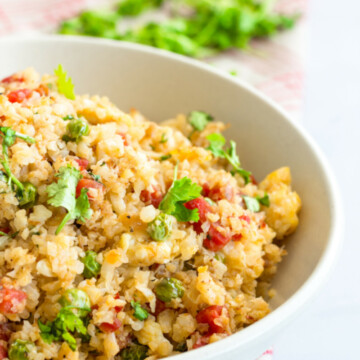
[(133, 272)]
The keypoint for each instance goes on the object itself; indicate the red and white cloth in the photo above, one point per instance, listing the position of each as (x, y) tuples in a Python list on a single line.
[(275, 66)]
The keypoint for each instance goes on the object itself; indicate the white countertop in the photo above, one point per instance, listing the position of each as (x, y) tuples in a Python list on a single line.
[(329, 328)]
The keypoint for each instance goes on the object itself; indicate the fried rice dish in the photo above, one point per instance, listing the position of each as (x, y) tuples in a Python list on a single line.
[(125, 239)]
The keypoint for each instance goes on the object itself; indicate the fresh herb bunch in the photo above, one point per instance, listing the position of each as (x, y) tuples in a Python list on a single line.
[(198, 28)]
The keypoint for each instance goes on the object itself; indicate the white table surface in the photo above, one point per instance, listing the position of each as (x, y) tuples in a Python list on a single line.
[(329, 328)]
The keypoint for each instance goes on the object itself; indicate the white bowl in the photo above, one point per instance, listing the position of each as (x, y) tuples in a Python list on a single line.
[(161, 85)]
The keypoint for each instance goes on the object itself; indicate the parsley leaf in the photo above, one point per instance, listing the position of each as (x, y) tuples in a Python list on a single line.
[(64, 83), (91, 267), (63, 193), (163, 138), (64, 327), (265, 200), (180, 192), (199, 119), (9, 136), (252, 204), (139, 312), (216, 146)]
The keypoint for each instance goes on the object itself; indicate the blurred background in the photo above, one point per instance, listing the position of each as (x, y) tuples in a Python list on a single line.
[(304, 55)]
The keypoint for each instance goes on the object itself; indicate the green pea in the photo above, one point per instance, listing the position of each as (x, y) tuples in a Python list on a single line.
[(169, 288), (160, 228), (91, 266), (19, 349), (134, 352), (78, 300), (76, 129), (27, 196)]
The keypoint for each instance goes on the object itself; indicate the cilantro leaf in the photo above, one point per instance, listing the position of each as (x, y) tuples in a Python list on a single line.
[(180, 192), (265, 200), (64, 327), (217, 142), (64, 83), (252, 204), (139, 312), (63, 193), (216, 146), (199, 119)]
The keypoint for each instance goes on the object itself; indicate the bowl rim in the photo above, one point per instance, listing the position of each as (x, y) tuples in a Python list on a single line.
[(289, 309)]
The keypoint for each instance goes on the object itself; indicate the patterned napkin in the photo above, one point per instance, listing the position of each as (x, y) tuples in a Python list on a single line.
[(275, 66)]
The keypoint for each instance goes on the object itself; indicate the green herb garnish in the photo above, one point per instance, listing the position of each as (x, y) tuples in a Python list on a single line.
[(63, 194), (163, 138), (91, 266), (134, 352), (70, 321), (180, 192), (25, 192), (265, 200), (165, 157), (216, 146), (76, 129), (19, 349), (199, 119), (64, 83), (139, 312)]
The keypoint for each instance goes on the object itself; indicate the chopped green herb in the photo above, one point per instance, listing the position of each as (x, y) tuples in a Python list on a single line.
[(199, 119), (163, 138), (136, 7), (91, 266), (68, 117), (9, 136), (19, 349), (220, 257), (62, 194), (180, 192), (233, 72), (139, 312), (95, 176), (217, 142), (103, 163), (169, 288), (197, 28), (160, 228), (134, 352), (28, 196), (165, 157), (265, 200), (64, 83), (76, 129), (252, 204), (65, 327), (70, 321)]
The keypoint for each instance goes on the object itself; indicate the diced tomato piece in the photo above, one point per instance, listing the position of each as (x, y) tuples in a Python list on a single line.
[(215, 240), (201, 204), (160, 307), (209, 316), (108, 328), (12, 301), (154, 198), (83, 163), (3, 353), (88, 184), (245, 218), (253, 180), (218, 193), (43, 90), (12, 78), (237, 237), (5, 230), (95, 307), (117, 308), (202, 341), (19, 95)]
